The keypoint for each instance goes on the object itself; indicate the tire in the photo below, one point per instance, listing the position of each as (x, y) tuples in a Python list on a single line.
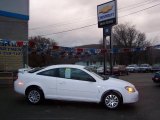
[(34, 96), (120, 73), (112, 100), (127, 73)]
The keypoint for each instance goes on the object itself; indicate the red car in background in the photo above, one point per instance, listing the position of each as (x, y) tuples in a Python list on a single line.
[(118, 70)]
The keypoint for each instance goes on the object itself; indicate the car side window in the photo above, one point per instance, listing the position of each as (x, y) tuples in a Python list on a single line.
[(51, 72), (65, 73), (68, 73), (78, 74), (61, 72)]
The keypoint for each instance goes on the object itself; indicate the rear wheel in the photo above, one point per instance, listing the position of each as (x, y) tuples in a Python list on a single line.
[(112, 100), (34, 96), (120, 73)]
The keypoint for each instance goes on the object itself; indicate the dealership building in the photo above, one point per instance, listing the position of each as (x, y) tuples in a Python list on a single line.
[(14, 17)]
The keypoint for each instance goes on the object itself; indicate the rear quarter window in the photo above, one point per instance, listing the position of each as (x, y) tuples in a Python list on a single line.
[(51, 72)]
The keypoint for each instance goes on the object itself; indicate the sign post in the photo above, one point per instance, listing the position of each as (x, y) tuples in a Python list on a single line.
[(107, 17), (106, 32)]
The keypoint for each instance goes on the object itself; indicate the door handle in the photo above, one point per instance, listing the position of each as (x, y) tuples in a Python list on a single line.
[(62, 82)]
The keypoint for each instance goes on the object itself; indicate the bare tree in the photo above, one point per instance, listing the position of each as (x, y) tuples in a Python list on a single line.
[(41, 56), (41, 41), (127, 36)]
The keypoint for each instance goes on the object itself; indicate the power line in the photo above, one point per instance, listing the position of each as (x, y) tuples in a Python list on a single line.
[(22, 21), (96, 23), (57, 24), (140, 10), (70, 30), (141, 3), (60, 24)]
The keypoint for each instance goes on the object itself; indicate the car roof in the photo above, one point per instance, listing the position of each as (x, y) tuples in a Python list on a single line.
[(144, 64), (57, 66), (133, 64), (66, 65)]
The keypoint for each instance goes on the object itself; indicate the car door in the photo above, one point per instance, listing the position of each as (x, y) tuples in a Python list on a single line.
[(76, 85), (47, 78)]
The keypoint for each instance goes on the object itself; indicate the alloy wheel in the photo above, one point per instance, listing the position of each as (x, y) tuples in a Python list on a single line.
[(111, 101), (34, 96)]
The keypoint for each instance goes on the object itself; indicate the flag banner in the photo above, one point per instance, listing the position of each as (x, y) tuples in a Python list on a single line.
[(79, 50), (68, 52), (19, 43), (115, 50)]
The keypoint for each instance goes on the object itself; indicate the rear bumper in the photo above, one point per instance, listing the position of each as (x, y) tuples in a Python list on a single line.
[(19, 88)]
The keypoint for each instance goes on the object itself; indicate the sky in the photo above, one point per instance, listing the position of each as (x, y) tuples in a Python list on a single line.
[(51, 18)]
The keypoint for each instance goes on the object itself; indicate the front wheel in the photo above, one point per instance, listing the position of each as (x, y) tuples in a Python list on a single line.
[(34, 96), (112, 100)]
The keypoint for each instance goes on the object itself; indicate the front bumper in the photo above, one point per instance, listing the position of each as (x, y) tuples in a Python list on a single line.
[(131, 97)]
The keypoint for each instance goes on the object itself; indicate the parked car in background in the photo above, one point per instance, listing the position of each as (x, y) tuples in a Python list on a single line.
[(117, 70), (100, 70), (156, 68), (22, 70), (74, 83), (156, 77), (120, 70), (26, 68), (133, 68), (145, 68), (93, 67)]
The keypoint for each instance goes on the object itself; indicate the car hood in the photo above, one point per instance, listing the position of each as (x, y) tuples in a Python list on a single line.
[(117, 82), (130, 67), (155, 67)]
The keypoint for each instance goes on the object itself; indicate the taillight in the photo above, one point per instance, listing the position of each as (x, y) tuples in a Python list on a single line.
[(15, 77), (20, 83)]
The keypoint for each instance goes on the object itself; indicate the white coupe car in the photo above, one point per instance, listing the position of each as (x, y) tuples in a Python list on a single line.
[(133, 68), (74, 83)]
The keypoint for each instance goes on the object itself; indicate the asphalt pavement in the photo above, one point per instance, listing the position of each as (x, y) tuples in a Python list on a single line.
[(14, 106)]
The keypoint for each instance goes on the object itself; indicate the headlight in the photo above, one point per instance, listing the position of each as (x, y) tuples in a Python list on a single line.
[(130, 89)]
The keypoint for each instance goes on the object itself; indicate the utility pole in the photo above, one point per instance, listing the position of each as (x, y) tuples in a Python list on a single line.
[(107, 31), (110, 46), (104, 54)]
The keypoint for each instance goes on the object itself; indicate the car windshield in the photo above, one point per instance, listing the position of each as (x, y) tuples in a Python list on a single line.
[(100, 68), (157, 73), (156, 65), (131, 65), (96, 74), (144, 65)]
